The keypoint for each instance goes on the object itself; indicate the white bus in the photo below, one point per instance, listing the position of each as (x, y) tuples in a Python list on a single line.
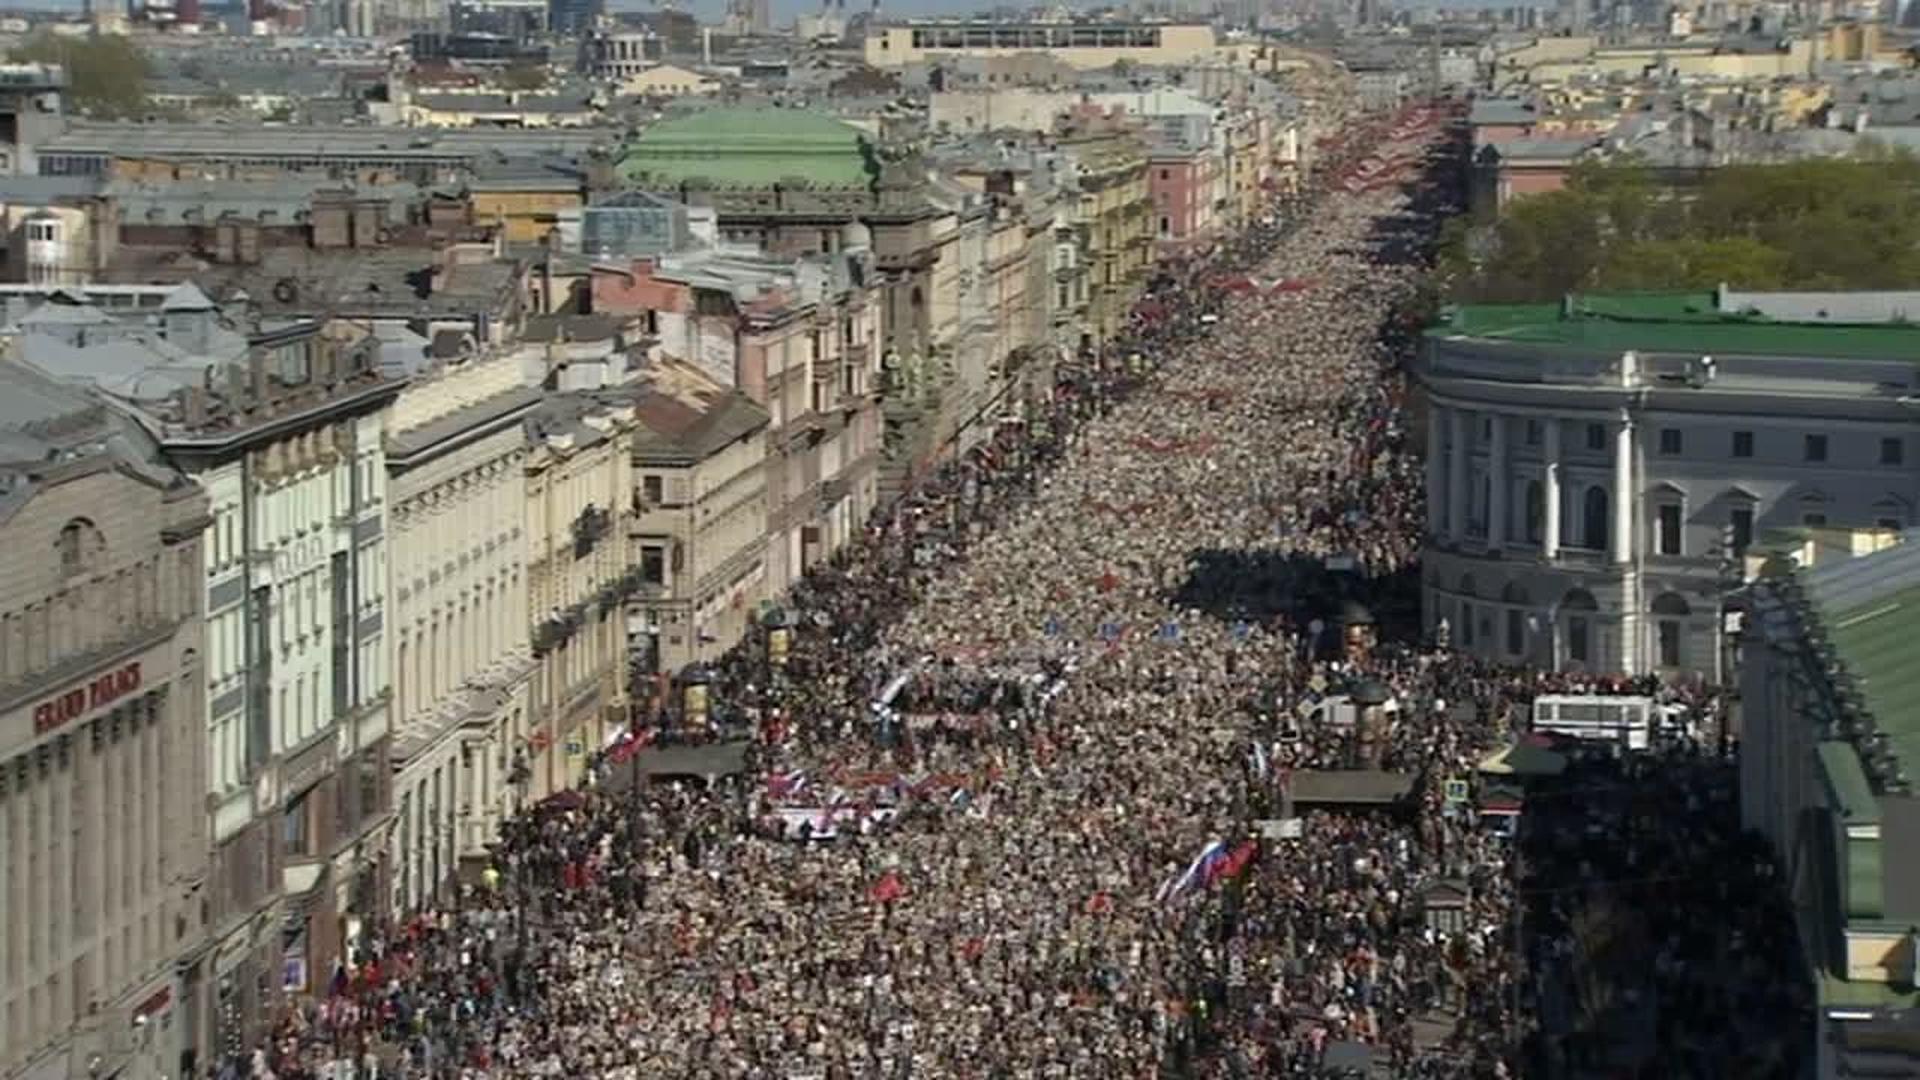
[(1623, 719)]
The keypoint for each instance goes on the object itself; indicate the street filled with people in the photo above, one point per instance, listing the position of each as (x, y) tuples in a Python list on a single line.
[(1020, 800)]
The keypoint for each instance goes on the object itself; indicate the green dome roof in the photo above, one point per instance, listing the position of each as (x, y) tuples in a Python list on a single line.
[(750, 148)]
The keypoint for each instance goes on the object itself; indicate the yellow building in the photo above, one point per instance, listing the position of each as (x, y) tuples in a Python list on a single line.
[(700, 459), (526, 206), (580, 575), (1113, 218), (1083, 45), (667, 80)]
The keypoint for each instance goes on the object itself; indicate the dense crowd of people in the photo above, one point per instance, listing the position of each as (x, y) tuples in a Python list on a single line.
[(1048, 712)]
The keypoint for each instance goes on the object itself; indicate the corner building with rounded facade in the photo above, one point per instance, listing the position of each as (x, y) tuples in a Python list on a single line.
[(1597, 468)]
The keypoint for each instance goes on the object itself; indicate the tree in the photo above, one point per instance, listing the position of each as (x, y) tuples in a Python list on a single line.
[(106, 73), (1834, 224)]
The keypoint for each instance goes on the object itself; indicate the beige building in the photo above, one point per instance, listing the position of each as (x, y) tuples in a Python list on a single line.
[(103, 832), (700, 461), (580, 574), (1084, 45), (667, 80), (456, 454)]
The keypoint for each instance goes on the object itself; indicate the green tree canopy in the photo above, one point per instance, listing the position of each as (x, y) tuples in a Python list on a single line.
[(106, 73), (1810, 224)]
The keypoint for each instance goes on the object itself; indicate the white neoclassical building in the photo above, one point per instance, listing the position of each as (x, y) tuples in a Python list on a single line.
[(1595, 467), (456, 454)]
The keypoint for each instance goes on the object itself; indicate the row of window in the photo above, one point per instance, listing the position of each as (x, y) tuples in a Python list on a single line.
[(1813, 448), (1577, 635), (1671, 442)]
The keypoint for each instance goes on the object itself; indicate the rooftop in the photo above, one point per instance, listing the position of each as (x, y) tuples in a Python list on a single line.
[(1869, 610), (1721, 323), (750, 147)]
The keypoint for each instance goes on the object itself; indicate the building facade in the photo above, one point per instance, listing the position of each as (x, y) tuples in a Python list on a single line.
[(1084, 45), (1828, 719), (283, 429), (1596, 468), (700, 460), (103, 835), (456, 459), (580, 576), (1113, 221)]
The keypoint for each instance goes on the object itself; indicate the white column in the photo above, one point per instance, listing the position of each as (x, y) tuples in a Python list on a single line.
[(1457, 476), (1497, 484), (1550, 492), (1625, 499), (1436, 473)]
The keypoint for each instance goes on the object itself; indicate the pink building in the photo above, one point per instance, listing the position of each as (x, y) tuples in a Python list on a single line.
[(1180, 184)]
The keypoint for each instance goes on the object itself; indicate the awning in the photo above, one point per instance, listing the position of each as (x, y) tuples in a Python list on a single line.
[(1523, 759)]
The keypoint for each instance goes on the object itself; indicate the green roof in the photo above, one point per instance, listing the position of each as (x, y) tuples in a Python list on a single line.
[(1851, 795), (750, 148), (1674, 322), (1875, 638)]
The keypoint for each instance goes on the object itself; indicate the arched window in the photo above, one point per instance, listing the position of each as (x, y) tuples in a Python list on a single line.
[(1593, 531), (1536, 511), (1576, 608), (1514, 596), (1669, 609), (80, 546)]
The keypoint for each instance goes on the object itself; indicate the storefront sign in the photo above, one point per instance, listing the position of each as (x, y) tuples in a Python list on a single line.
[(80, 701)]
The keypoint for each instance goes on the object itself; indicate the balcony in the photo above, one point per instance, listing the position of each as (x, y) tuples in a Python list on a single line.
[(593, 524)]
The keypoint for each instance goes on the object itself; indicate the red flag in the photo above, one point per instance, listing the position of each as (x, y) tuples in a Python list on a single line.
[(887, 889), (1099, 904)]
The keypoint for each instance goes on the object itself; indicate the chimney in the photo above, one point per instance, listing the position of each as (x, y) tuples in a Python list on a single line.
[(196, 407), (257, 373), (331, 222), (706, 45), (224, 243), (367, 214), (246, 242)]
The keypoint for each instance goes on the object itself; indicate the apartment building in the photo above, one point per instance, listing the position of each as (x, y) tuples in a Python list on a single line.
[(282, 426), (103, 835), (580, 575), (700, 458), (456, 457)]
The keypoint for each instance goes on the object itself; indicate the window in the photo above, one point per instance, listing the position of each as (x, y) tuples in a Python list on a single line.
[(1814, 521), (1466, 624), (1166, 226), (1893, 451), (1516, 634), (1536, 511), (1577, 645), (1666, 523), (293, 828), (1670, 442), (1533, 433), (651, 490), (1596, 436), (1743, 444), (1816, 448), (1740, 528), (1669, 643), (1166, 174), (43, 231), (1593, 533), (653, 564), (79, 543), (1486, 429)]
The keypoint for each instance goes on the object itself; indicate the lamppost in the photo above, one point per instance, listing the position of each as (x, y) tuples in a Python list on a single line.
[(779, 644)]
